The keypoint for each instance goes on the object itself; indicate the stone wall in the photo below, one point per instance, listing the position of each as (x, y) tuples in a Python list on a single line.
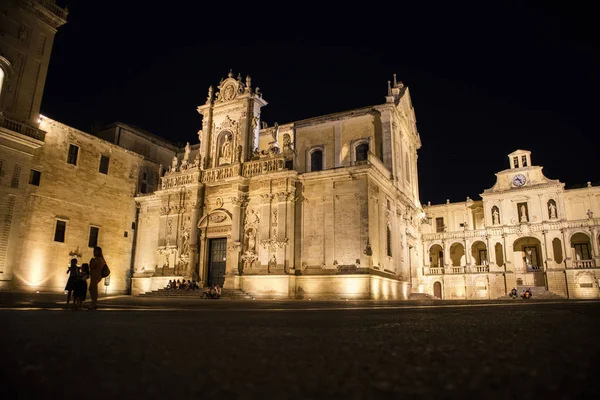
[(83, 197)]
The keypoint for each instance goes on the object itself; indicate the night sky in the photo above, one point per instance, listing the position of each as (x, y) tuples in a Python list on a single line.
[(485, 79)]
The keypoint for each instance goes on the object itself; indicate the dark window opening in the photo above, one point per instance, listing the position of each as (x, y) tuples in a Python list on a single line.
[(144, 188), (362, 152), (125, 234), (144, 176), (389, 242), (104, 160), (133, 225), (59, 231), (316, 160), (34, 177), (73, 153), (439, 224), (524, 161), (516, 161), (93, 240)]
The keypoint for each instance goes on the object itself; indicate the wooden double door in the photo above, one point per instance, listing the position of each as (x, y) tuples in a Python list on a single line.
[(217, 259)]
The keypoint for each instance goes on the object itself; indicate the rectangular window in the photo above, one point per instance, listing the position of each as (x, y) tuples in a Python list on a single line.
[(34, 177), (93, 239), (104, 160), (73, 153), (14, 182), (59, 231), (516, 161), (439, 224)]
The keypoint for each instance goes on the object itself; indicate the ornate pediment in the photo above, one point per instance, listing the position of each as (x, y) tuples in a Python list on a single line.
[(231, 88)]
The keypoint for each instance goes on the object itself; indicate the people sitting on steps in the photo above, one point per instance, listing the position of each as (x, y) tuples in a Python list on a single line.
[(527, 294), (213, 292), (513, 293)]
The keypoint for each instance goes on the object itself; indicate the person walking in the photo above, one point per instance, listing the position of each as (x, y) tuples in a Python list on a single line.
[(72, 271), (96, 265)]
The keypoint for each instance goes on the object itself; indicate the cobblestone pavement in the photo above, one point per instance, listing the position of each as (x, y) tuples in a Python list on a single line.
[(277, 350)]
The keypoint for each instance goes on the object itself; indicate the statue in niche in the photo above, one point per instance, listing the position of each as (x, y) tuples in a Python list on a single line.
[(288, 147), (523, 213), (174, 164), (552, 209), (496, 216), (226, 151), (272, 263), (590, 214), (251, 235)]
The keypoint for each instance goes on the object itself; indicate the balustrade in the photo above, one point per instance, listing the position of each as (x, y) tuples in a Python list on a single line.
[(23, 129), (584, 264)]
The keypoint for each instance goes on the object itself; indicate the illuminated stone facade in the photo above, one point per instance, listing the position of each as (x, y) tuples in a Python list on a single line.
[(311, 208), (526, 232), (325, 207)]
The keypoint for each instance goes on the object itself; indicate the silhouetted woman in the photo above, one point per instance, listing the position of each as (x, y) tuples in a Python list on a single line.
[(96, 265)]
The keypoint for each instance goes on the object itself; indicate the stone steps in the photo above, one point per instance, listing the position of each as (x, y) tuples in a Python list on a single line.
[(421, 296), (538, 292), (233, 294)]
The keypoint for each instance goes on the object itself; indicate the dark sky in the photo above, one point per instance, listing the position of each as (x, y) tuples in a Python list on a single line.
[(485, 79)]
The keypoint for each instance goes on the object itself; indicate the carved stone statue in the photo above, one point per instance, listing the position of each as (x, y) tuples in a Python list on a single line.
[(251, 234), (200, 138), (174, 164), (272, 263), (288, 147), (552, 209), (528, 258), (275, 132), (590, 214), (523, 213), (496, 216), (210, 94), (186, 156), (238, 154), (225, 151)]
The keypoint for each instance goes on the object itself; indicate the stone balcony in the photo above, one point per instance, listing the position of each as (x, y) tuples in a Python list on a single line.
[(22, 128), (47, 10), (455, 270)]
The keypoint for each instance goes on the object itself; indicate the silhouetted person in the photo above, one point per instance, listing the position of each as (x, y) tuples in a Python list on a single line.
[(96, 265), (81, 286), (72, 271)]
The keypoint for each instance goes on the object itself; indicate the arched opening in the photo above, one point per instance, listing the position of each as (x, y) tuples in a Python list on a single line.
[(437, 290), (528, 250), (362, 152), (499, 254), (479, 253), (581, 250), (436, 256), (557, 250), (457, 255), (495, 215), (316, 160)]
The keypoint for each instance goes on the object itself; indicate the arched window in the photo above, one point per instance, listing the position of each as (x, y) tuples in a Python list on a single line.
[(362, 151), (552, 210), (316, 160), (388, 241)]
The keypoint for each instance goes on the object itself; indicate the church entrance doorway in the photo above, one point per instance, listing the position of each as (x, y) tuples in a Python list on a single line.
[(217, 257), (437, 290)]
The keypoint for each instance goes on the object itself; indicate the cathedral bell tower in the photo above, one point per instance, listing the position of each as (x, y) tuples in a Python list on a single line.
[(230, 123)]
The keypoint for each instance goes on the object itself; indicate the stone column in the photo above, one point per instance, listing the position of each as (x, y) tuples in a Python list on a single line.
[(467, 254), (265, 228), (193, 262), (446, 248), (567, 255), (546, 258), (491, 251), (234, 245)]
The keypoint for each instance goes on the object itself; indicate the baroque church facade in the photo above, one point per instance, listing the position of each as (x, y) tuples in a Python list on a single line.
[(326, 207)]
